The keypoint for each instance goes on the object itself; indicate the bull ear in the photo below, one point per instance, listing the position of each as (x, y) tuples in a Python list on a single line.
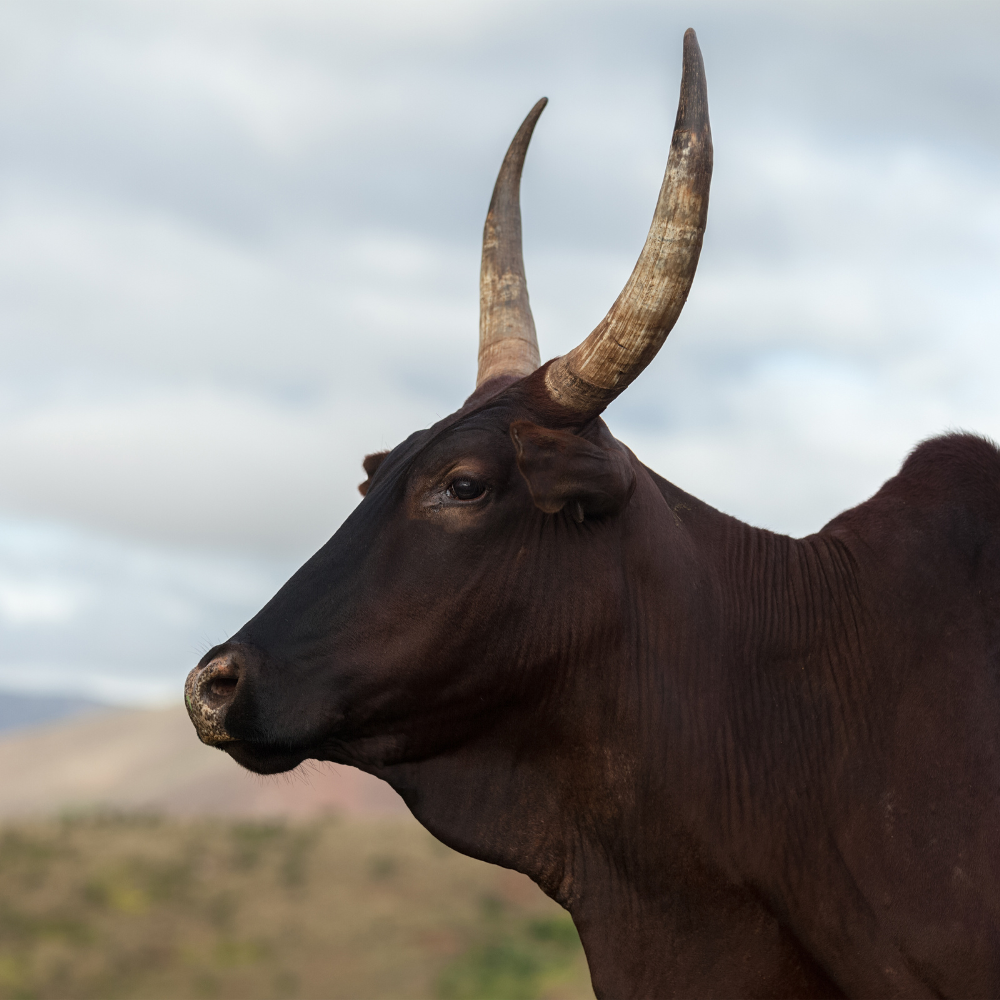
[(370, 465), (590, 473)]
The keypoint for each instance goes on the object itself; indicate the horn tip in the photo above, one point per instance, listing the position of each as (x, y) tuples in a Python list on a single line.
[(692, 109), (692, 50), (536, 110), (692, 53)]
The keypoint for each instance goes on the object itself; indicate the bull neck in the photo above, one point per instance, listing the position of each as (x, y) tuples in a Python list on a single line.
[(781, 594)]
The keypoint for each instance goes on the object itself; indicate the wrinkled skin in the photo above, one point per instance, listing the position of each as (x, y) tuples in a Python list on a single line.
[(748, 765)]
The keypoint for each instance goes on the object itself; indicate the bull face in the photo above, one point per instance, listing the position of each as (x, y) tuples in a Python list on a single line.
[(407, 610), (418, 624)]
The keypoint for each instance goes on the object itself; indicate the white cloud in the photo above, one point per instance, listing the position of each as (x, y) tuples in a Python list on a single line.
[(239, 249), (119, 621), (202, 463), (33, 602), (845, 309)]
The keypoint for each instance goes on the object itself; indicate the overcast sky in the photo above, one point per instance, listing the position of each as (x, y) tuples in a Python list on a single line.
[(239, 248)]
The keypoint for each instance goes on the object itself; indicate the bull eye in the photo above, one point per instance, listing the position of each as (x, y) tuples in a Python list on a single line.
[(466, 488)]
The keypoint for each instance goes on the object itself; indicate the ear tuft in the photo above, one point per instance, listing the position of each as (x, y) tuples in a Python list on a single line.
[(589, 475), (370, 465)]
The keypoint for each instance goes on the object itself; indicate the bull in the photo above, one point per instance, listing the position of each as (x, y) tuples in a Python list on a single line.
[(747, 764)]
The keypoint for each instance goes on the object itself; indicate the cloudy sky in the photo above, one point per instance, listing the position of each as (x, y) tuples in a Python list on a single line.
[(239, 248)]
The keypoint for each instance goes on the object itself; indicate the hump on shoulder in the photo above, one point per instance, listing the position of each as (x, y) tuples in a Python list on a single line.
[(948, 487), (957, 461)]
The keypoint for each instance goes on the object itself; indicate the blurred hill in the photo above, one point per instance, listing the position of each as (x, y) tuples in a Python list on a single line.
[(104, 907), (137, 863), (151, 761)]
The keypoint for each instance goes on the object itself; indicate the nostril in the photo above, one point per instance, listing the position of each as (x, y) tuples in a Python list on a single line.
[(217, 686), (223, 687), (210, 690)]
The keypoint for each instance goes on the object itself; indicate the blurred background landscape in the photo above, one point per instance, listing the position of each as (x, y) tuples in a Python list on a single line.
[(239, 249), (136, 862)]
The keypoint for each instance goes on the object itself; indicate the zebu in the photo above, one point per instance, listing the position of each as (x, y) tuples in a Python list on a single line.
[(748, 765)]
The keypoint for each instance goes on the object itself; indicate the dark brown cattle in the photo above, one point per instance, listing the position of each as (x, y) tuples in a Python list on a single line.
[(748, 765)]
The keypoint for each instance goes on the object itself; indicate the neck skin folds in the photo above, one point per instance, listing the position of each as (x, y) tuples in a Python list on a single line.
[(626, 789)]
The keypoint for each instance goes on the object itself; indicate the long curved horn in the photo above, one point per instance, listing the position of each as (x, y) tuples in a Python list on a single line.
[(587, 379), (507, 342)]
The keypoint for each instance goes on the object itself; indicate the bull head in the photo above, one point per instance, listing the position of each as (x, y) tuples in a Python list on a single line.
[(464, 631), (399, 613)]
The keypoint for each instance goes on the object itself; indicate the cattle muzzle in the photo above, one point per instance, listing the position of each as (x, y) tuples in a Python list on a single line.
[(209, 691)]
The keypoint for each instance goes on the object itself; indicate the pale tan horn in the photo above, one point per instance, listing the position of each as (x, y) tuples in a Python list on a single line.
[(507, 342), (626, 340)]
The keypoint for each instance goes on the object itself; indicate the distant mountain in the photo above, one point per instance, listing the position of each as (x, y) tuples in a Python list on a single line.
[(151, 761), (19, 711)]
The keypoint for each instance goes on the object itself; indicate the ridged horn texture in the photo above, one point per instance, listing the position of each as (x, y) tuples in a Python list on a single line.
[(587, 379), (507, 341)]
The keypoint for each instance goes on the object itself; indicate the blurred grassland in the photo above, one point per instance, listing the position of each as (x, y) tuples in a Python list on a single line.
[(106, 906)]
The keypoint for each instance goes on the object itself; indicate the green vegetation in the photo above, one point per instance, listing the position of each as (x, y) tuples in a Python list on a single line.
[(140, 907), (515, 959)]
